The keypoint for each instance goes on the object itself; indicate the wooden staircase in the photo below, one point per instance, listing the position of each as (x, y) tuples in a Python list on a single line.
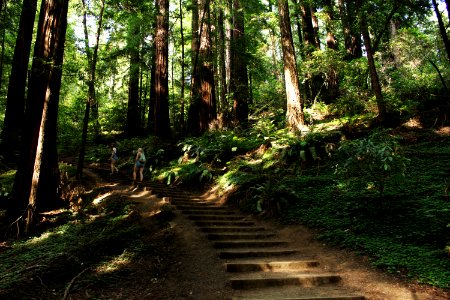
[(260, 265)]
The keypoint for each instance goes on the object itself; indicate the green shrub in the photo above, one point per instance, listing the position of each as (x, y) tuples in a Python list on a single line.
[(375, 158)]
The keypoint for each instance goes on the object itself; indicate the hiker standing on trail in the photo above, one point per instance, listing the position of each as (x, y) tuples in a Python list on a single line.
[(139, 165), (114, 159)]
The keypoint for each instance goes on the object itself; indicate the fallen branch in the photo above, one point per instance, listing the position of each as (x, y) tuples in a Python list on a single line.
[(66, 293)]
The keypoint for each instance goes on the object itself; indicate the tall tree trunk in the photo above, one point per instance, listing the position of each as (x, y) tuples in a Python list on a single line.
[(376, 87), (15, 106), (221, 38), (239, 77), (298, 24), (307, 25), (132, 127), (151, 106), (315, 22), (294, 114), (183, 76), (332, 76), (39, 138), (352, 39), (442, 28), (203, 106), (92, 57), (329, 20), (194, 105), (162, 121), (2, 54)]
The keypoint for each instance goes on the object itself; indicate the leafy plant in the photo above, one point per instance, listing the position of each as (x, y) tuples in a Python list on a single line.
[(376, 158)]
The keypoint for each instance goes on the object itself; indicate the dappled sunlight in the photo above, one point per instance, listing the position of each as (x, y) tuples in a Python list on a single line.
[(413, 123), (141, 194), (444, 131), (111, 185), (46, 235), (101, 198), (115, 264)]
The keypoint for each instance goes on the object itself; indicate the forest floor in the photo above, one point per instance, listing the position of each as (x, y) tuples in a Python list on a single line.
[(187, 267)]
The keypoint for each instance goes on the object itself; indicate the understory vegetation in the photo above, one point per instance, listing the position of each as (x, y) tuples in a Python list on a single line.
[(382, 193)]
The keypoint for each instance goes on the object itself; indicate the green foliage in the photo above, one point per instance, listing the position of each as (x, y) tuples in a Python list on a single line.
[(63, 251), (375, 158), (411, 72), (409, 235), (191, 174), (216, 147), (6, 182)]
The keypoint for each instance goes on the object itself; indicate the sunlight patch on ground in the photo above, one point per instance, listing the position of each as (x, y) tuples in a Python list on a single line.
[(115, 263), (141, 194), (100, 198), (39, 239), (413, 123), (111, 185), (443, 131)]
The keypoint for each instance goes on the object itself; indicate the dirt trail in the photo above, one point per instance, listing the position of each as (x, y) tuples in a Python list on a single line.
[(196, 272), (188, 266)]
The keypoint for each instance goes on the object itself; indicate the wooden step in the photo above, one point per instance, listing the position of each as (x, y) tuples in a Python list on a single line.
[(249, 253), (304, 280), (208, 212), (200, 207), (214, 218), (203, 223), (270, 266), (247, 244), (223, 229), (239, 235)]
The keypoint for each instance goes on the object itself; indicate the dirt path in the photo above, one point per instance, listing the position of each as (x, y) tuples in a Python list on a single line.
[(188, 267)]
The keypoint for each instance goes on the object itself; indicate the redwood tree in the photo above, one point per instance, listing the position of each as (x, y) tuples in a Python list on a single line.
[(352, 39), (295, 117), (38, 173), (203, 103), (162, 121), (15, 106)]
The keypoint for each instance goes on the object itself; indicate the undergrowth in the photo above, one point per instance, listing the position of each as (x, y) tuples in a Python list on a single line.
[(100, 239), (380, 195)]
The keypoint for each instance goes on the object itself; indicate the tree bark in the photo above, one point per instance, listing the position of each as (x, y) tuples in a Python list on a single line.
[(315, 23), (132, 127), (15, 106), (183, 76), (151, 108), (222, 64), (332, 90), (38, 153), (203, 106), (294, 114), (2, 54), (352, 39), (376, 87), (307, 25), (162, 121)]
